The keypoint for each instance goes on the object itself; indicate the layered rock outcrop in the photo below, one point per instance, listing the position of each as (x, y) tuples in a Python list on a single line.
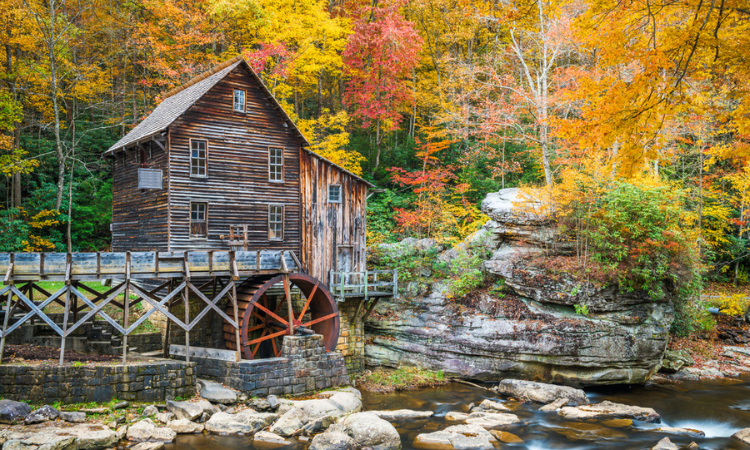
[(533, 329)]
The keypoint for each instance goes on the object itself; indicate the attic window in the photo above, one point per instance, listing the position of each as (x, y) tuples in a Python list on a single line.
[(334, 193), (239, 100)]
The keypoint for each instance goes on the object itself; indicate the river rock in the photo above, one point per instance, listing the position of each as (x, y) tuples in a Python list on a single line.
[(609, 410), (459, 437), (317, 411), (244, 422), (743, 435), (58, 436), (269, 438), (680, 431), (402, 414), (675, 360), (145, 430), (554, 406), (12, 411), (369, 430), (43, 414), (665, 444), (72, 416), (216, 393), (148, 446), (490, 406), (165, 417), (532, 331), (483, 419), (185, 410), (585, 431), (150, 410), (183, 426), (541, 392), (332, 440), (504, 436)]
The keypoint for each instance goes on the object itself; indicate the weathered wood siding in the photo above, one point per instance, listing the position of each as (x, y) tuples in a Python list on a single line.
[(328, 226), (237, 188), (139, 216)]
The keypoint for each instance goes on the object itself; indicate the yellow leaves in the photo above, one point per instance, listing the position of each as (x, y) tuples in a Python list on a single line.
[(15, 162), (38, 244), (45, 218), (329, 139), (731, 304)]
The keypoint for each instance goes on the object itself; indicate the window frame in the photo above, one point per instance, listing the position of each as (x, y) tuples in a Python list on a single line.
[(205, 219), (282, 165), (244, 101), (328, 195), (205, 159), (283, 216)]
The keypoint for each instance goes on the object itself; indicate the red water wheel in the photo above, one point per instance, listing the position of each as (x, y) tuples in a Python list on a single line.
[(265, 316)]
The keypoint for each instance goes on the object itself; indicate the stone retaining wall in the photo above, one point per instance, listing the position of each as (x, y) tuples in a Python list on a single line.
[(304, 367), (351, 342), (143, 382)]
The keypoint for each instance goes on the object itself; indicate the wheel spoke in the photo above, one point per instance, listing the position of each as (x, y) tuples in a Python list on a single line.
[(271, 313), (275, 350), (320, 319), (309, 299), (266, 337), (256, 328)]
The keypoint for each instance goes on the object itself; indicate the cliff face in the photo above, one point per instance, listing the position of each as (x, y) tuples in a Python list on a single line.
[(531, 331)]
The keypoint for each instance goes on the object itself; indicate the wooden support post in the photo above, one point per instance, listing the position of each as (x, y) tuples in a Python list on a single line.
[(126, 305), (353, 319), (341, 292), (288, 294), (165, 352), (236, 321), (5, 323), (185, 297), (63, 338)]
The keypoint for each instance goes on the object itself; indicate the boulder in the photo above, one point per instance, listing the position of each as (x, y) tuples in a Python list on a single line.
[(369, 430), (504, 436), (43, 414), (332, 441), (121, 405), (665, 444), (12, 411), (269, 438), (586, 431), (145, 430), (58, 435), (402, 414), (183, 426), (673, 361), (541, 392), (483, 419), (609, 410), (72, 416), (185, 410), (459, 437), (216, 393), (317, 412)]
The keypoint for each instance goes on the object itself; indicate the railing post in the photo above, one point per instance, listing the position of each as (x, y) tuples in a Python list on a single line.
[(341, 276), (365, 272), (5, 323), (395, 283), (126, 307)]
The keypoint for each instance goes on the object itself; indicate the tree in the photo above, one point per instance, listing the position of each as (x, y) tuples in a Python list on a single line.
[(379, 58)]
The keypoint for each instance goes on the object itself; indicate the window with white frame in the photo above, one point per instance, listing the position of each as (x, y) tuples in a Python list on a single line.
[(275, 222), (239, 100), (198, 220), (276, 164), (334, 193), (198, 158)]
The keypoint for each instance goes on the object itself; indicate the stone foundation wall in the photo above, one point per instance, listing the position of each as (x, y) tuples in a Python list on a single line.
[(304, 367), (143, 382), (351, 336)]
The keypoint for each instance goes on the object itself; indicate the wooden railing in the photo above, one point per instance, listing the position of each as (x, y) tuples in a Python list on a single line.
[(372, 283)]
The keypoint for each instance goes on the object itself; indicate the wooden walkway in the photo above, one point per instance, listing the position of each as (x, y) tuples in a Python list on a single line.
[(223, 271)]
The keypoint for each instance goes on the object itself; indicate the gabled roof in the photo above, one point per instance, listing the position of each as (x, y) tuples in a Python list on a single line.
[(180, 99)]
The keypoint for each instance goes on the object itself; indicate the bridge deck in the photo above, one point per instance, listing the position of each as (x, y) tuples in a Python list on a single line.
[(119, 265)]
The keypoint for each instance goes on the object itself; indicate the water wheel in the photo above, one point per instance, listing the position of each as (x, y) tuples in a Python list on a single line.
[(264, 314)]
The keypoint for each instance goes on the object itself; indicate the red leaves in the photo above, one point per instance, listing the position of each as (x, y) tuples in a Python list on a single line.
[(380, 54)]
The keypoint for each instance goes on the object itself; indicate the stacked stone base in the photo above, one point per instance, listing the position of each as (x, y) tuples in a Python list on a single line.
[(305, 367), (143, 382)]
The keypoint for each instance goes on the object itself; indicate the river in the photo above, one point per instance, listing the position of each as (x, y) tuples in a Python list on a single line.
[(718, 408)]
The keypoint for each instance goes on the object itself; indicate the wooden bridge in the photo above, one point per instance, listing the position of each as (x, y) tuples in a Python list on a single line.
[(196, 273)]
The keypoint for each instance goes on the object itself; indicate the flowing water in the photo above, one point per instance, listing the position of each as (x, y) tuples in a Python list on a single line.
[(718, 408)]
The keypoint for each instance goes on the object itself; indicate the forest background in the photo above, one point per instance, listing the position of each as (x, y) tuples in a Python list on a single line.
[(603, 103)]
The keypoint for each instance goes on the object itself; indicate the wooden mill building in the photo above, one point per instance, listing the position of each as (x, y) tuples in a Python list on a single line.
[(220, 151)]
